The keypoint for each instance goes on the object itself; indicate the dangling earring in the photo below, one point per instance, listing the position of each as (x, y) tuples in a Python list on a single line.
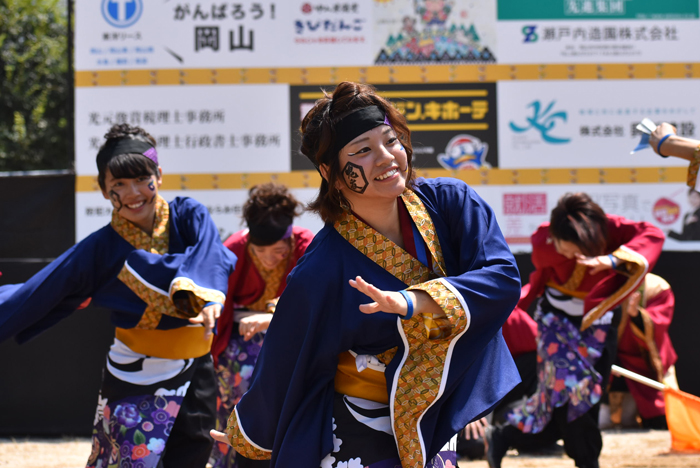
[(342, 202)]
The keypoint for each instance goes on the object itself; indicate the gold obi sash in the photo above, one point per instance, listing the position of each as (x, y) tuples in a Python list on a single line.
[(178, 343), (369, 384)]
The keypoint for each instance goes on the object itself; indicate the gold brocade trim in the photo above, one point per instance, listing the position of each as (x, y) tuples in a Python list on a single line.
[(693, 168), (647, 336), (577, 294), (199, 294), (382, 251), (239, 442), (651, 287), (575, 279), (425, 226), (439, 327), (635, 267), (157, 304), (272, 279), (420, 376), (157, 243)]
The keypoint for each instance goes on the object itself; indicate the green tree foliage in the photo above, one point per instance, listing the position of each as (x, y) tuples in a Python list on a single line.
[(34, 86)]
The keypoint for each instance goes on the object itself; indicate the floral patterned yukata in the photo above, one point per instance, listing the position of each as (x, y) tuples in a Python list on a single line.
[(574, 313)]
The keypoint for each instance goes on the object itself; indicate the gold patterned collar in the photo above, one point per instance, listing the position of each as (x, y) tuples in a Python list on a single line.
[(157, 242)]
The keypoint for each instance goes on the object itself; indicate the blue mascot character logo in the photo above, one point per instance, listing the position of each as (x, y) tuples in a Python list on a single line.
[(122, 13), (464, 152)]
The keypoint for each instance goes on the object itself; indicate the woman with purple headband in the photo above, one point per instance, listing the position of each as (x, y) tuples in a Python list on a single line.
[(162, 271), (386, 341), (267, 251)]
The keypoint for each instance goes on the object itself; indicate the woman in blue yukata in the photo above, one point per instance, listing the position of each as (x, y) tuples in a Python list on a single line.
[(163, 272), (386, 341)]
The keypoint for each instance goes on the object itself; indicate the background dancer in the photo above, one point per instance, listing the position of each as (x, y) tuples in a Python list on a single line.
[(267, 251), (586, 264), (161, 269)]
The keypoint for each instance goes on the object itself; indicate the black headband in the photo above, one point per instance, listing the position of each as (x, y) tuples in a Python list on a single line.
[(124, 146), (270, 231), (353, 125)]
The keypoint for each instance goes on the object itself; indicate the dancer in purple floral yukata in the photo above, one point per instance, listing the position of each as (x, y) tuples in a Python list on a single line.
[(586, 264)]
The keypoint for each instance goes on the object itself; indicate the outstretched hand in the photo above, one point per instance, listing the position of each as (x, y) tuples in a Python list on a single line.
[(219, 437), (391, 302), (596, 264), (207, 317)]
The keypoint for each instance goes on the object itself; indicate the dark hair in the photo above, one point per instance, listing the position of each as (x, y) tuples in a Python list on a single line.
[(578, 219), (270, 206), (127, 166), (318, 134)]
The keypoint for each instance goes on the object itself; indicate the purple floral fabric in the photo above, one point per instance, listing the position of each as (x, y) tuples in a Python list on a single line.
[(565, 360), (132, 432), (233, 375)]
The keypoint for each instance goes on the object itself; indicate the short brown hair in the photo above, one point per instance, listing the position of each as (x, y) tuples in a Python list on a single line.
[(578, 219), (269, 206), (318, 136)]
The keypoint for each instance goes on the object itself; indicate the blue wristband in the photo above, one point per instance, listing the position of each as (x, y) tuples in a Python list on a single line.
[(661, 142), (613, 260), (409, 312), (212, 303)]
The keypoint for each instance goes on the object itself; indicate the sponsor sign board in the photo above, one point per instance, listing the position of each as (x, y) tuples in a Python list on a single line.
[(453, 126), (199, 129), (133, 34), (521, 209), (597, 31), (589, 123)]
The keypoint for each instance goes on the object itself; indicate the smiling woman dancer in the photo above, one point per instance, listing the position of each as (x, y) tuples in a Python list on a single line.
[(382, 369), (161, 269)]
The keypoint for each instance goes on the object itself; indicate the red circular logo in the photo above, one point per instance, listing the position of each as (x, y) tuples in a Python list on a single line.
[(306, 8), (666, 211)]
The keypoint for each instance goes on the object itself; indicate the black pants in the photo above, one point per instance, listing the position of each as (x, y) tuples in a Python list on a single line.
[(582, 439), (526, 363), (189, 443)]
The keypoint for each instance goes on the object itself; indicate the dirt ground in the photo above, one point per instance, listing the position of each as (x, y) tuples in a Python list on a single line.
[(621, 449)]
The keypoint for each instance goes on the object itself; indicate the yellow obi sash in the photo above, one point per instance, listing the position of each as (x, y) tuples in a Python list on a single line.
[(178, 343), (369, 384)]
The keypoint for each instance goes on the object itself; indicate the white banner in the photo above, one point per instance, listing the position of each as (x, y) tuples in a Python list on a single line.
[(225, 206), (199, 129), (133, 34), (521, 209), (578, 124), (598, 41)]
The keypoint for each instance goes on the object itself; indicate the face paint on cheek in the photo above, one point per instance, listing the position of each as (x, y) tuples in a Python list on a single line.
[(152, 185), (116, 200), (352, 174)]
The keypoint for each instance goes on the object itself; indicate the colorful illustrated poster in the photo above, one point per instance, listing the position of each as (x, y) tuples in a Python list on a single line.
[(598, 31), (199, 129), (579, 124), (434, 31), (453, 126)]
